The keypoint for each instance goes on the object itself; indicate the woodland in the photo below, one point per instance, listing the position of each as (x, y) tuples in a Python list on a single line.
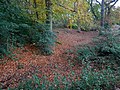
[(59, 45)]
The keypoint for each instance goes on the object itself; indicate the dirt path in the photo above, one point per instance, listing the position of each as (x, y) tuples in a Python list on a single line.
[(29, 63)]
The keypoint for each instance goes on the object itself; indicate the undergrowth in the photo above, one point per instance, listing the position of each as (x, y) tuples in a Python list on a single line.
[(106, 50), (18, 29), (100, 71), (101, 63), (91, 79)]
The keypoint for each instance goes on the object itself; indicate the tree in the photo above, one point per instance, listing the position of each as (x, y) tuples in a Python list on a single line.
[(106, 6), (102, 6), (47, 11), (115, 15), (94, 9), (48, 4), (109, 4), (35, 6), (39, 10), (77, 10), (102, 13)]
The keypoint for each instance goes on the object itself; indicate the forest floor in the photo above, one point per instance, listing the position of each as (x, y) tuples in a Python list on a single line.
[(30, 62)]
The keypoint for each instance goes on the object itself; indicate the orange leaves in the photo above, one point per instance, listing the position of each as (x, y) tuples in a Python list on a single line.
[(12, 72)]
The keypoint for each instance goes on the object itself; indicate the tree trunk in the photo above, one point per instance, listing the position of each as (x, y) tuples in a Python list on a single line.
[(49, 13), (78, 19), (35, 6), (108, 17), (102, 13)]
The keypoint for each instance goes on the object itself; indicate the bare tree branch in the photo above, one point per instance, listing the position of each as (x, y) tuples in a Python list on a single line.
[(92, 9), (65, 7), (111, 2), (107, 4), (98, 2), (114, 3)]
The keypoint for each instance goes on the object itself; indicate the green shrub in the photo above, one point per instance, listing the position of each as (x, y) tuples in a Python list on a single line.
[(92, 79), (44, 41), (33, 84), (109, 47), (74, 26), (101, 63), (106, 50), (43, 84), (18, 29), (11, 19), (84, 54)]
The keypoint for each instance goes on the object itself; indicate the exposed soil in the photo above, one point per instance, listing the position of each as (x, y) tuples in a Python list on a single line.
[(30, 62)]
